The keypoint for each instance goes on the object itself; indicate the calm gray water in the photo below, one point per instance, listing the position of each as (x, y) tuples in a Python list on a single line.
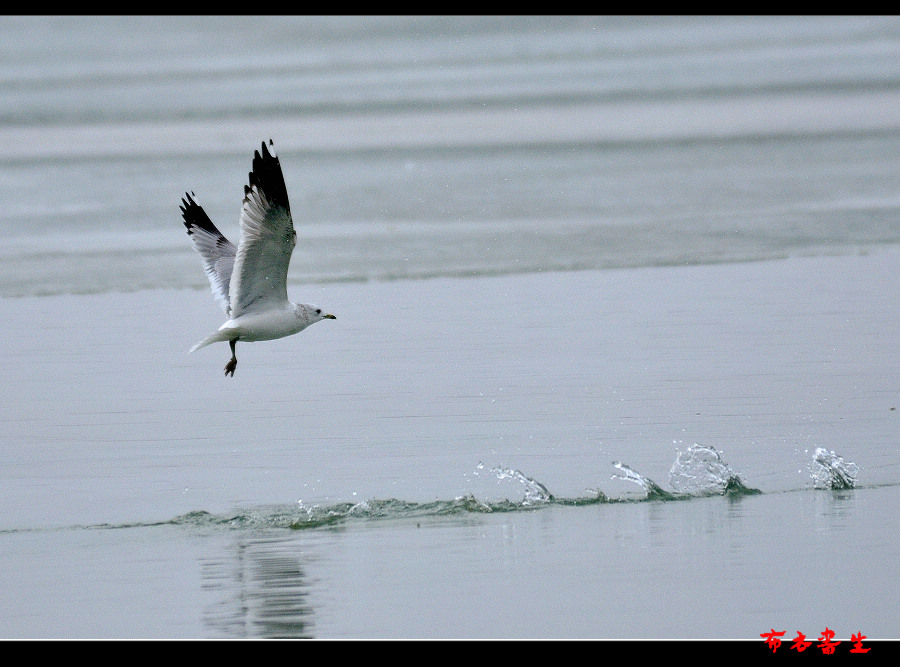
[(615, 353)]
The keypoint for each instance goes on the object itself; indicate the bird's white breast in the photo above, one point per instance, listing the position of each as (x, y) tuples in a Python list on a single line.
[(266, 325)]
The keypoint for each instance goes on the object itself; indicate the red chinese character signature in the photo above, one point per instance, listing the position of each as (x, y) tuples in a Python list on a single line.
[(827, 643), (800, 644), (772, 638), (857, 643)]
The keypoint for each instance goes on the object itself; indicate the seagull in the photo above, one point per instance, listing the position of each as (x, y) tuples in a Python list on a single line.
[(250, 281)]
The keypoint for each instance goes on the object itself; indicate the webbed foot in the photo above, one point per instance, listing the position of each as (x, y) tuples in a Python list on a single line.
[(231, 365)]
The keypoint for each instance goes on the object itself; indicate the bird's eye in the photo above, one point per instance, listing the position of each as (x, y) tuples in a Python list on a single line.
[(318, 311)]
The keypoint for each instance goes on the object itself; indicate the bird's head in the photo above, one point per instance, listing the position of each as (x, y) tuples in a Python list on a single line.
[(312, 313)]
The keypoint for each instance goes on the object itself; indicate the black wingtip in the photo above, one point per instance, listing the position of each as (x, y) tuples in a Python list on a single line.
[(267, 175), (194, 215), (187, 201)]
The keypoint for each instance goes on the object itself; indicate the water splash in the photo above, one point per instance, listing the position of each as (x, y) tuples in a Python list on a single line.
[(653, 490), (535, 492), (700, 471), (830, 471)]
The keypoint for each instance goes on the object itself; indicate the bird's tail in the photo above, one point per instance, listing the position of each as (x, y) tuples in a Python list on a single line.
[(217, 337)]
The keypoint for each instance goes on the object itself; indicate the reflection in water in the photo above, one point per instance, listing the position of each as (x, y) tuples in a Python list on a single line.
[(263, 592)]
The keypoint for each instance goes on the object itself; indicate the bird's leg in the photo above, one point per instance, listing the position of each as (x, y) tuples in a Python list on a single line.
[(231, 365)]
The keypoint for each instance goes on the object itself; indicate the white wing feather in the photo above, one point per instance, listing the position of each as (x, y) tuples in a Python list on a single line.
[(216, 251), (253, 275), (259, 279)]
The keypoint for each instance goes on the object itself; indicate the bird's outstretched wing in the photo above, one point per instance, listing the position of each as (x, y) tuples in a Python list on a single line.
[(267, 240), (218, 253)]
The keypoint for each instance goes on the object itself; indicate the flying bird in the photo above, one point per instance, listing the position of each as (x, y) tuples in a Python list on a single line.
[(250, 281)]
